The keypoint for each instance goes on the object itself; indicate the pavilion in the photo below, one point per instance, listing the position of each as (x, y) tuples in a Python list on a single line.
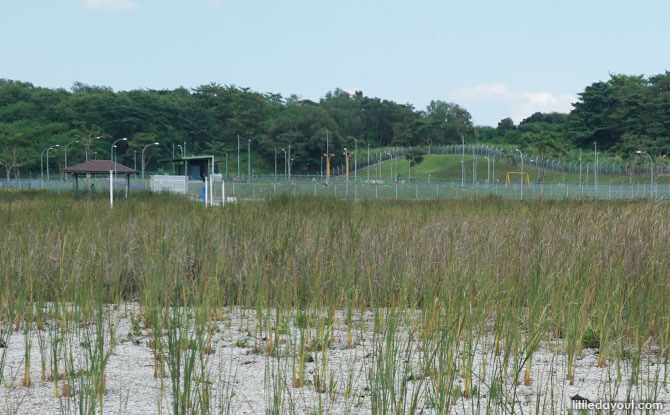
[(98, 167)]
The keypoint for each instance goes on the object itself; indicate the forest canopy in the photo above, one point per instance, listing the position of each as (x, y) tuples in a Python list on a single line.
[(622, 114)]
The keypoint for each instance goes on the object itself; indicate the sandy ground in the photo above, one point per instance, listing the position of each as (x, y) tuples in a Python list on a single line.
[(243, 379)]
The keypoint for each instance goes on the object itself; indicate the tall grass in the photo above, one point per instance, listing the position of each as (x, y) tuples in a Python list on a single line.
[(461, 277)]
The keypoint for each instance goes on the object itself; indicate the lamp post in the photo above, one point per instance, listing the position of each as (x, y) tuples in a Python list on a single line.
[(285, 163), (521, 172), (42, 162), (638, 152), (66, 146), (111, 152), (88, 142), (145, 147), (50, 148)]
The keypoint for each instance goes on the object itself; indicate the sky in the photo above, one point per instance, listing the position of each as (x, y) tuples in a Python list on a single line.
[(495, 58)]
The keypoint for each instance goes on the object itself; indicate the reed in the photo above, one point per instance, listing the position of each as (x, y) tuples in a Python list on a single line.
[(461, 293)]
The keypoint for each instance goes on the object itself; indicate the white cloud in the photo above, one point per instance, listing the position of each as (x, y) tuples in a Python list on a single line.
[(351, 91), (515, 104), (111, 4)]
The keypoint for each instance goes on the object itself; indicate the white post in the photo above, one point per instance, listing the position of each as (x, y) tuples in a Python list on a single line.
[(111, 189), (223, 193), (211, 187)]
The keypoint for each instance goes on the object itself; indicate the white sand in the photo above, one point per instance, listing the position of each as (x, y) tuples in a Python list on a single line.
[(240, 372)]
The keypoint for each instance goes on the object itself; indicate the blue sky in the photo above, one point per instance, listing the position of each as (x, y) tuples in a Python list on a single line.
[(495, 58)]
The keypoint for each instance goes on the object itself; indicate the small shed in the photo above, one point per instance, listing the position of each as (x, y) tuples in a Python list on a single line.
[(98, 167), (194, 167)]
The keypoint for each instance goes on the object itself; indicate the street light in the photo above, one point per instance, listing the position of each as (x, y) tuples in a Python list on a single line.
[(66, 146), (285, 163), (87, 139), (50, 148), (42, 162), (638, 152), (145, 147), (111, 151), (521, 172)]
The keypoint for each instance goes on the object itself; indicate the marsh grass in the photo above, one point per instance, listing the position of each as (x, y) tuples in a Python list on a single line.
[(446, 282)]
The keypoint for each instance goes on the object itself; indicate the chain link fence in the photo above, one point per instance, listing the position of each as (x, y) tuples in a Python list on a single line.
[(262, 189)]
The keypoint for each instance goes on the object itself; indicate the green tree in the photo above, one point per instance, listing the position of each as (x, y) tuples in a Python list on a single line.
[(504, 125)]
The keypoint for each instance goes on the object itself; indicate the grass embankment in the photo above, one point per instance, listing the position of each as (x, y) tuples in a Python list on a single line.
[(579, 274), (448, 167)]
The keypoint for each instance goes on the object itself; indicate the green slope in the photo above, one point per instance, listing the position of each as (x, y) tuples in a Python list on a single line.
[(448, 167)]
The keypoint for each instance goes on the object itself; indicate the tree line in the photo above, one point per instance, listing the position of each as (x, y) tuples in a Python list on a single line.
[(622, 114)]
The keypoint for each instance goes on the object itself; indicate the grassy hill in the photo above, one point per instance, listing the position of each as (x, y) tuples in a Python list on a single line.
[(448, 167)]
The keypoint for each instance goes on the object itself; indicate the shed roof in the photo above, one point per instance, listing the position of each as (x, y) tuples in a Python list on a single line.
[(99, 166)]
